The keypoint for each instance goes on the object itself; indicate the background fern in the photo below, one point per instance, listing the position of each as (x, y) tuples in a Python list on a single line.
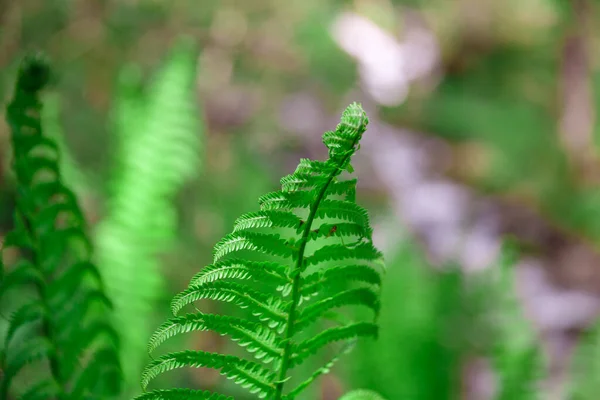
[(158, 149), (585, 382), (306, 253), (65, 323), (435, 322), (413, 357), (515, 354)]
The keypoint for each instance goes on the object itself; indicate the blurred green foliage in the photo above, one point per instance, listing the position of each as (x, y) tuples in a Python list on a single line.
[(499, 100)]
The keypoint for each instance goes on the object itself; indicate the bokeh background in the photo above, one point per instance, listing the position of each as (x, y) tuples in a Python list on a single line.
[(484, 125)]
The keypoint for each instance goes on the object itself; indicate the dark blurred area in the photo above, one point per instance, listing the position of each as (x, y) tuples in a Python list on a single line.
[(483, 118)]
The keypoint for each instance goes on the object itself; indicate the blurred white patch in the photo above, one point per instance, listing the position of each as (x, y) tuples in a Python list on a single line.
[(301, 113), (481, 245), (551, 308), (386, 65)]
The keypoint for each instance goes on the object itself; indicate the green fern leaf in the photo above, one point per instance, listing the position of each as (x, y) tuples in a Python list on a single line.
[(258, 303), (50, 234), (159, 143), (68, 282), (28, 313), (93, 334), (344, 211), (342, 229), (19, 238), (585, 366), (306, 254), (34, 349), (22, 273), (260, 340), (310, 346), (338, 252), (339, 276), (246, 373), (182, 394), (342, 188), (321, 371), (285, 200), (105, 363), (41, 391), (267, 219), (262, 243), (515, 354), (361, 394), (242, 270), (359, 296)]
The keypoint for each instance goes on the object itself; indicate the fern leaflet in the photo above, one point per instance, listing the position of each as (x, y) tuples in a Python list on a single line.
[(361, 394)]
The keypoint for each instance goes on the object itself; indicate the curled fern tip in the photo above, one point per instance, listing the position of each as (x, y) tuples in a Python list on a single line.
[(34, 73)]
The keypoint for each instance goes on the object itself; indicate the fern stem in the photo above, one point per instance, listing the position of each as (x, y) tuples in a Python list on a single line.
[(289, 330)]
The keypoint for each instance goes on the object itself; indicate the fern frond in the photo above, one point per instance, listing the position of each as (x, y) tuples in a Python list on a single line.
[(274, 266), (50, 233), (159, 141), (516, 357)]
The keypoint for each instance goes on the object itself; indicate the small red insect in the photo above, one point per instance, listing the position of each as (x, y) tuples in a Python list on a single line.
[(332, 230)]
